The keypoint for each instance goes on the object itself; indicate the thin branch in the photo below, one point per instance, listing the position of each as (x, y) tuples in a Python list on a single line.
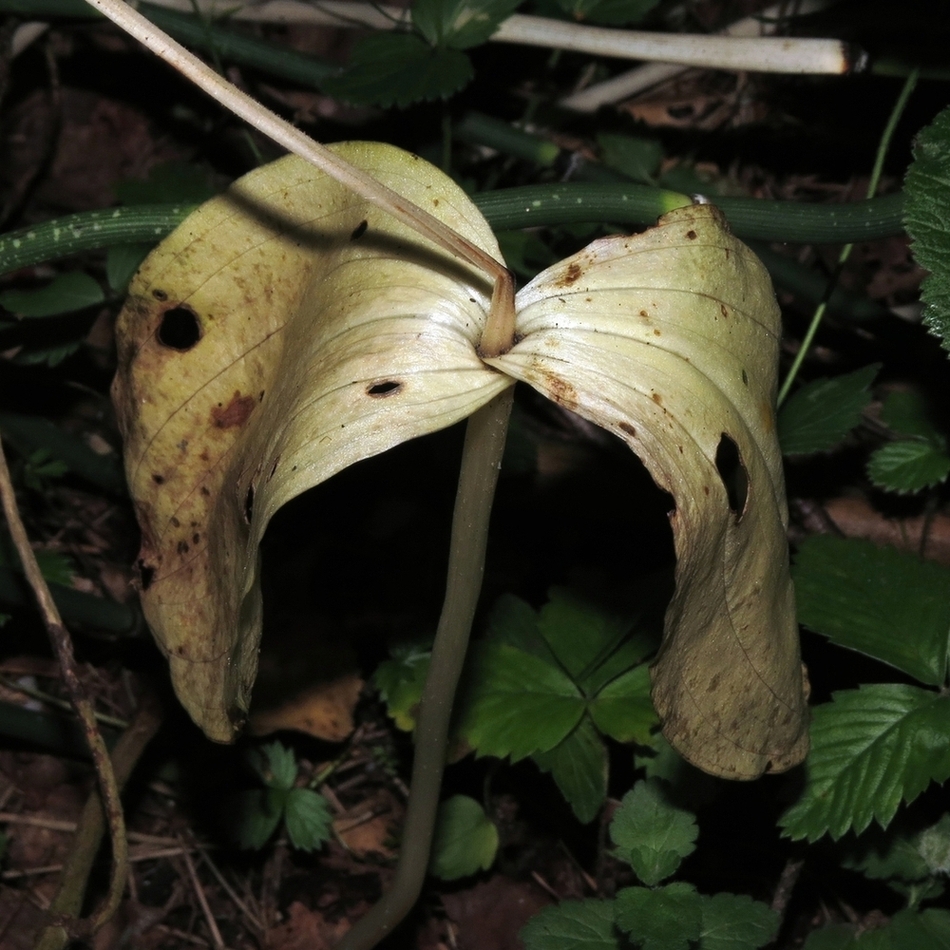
[(63, 650), (796, 56)]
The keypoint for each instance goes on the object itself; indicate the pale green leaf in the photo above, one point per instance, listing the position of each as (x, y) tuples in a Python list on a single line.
[(926, 213), (662, 918), (908, 466), (579, 766), (122, 261), (872, 748), (460, 23), (884, 603), (820, 414), (884, 855), (652, 834), (669, 340), (398, 69), (518, 704), (466, 839), (63, 294), (572, 925), (308, 819), (623, 709), (736, 922), (933, 846)]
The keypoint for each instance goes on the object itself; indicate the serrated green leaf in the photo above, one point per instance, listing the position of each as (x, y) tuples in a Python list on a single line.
[(926, 213), (636, 157), (662, 918), (933, 846), (258, 814), (908, 466), (400, 682), (514, 622), (906, 412), (466, 839), (460, 24), (580, 635), (518, 704), (823, 412), (579, 766), (871, 749), (276, 765), (65, 293), (881, 602), (651, 833), (572, 925), (736, 922), (884, 855), (308, 819), (388, 69), (913, 930), (624, 710)]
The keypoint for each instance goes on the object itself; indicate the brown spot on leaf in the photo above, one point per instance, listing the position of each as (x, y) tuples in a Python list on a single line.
[(182, 547), (573, 272), (236, 413), (629, 429), (657, 398), (561, 391), (644, 314), (691, 235), (160, 295), (724, 310), (158, 479)]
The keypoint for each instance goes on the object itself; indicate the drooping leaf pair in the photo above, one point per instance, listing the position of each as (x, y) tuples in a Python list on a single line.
[(289, 329)]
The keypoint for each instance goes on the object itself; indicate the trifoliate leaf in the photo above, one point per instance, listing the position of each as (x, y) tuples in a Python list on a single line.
[(871, 749), (663, 918), (651, 833), (466, 839), (579, 766), (581, 636), (906, 412), (736, 922), (258, 814), (926, 213), (823, 412), (908, 466), (460, 23), (308, 818), (276, 765), (514, 622), (64, 294), (519, 704), (572, 925), (889, 605), (398, 69), (400, 681), (623, 709)]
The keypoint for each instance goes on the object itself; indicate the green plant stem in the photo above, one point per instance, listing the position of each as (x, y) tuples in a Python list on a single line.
[(481, 460), (505, 209), (822, 307)]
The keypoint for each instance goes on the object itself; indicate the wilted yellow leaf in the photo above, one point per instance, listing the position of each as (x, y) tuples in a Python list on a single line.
[(288, 329)]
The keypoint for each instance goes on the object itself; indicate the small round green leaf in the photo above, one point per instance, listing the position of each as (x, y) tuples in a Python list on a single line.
[(466, 839)]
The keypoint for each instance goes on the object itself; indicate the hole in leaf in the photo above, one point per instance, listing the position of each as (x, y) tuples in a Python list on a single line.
[(179, 329), (146, 574), (359, 230), (249, 504), (388, 387), (733, 474)]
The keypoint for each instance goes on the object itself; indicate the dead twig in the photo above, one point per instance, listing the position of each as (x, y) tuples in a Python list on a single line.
[(63, 650)]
